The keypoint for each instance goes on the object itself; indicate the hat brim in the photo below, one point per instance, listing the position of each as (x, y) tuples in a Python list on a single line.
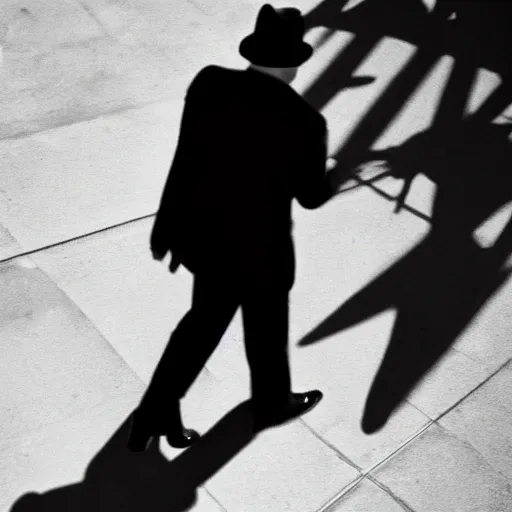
[(260, 54)]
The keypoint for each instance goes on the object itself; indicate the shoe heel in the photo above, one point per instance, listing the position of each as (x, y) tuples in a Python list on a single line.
[(139, 439)]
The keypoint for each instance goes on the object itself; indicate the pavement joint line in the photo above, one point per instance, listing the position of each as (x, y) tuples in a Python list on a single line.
[(79, 237), (400, 448), (340, 455), (212, 496), (432, 422), (338, 496), (366, 474), (389, 491), (85, 119), (456, 404), (459, 351), (90, 12)]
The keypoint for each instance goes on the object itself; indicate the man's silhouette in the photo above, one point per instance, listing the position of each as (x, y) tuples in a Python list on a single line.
[(248, 145)]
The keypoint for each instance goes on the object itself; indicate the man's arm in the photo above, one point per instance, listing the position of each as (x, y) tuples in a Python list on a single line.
[(313, 186), (159, 240), (179, 171)]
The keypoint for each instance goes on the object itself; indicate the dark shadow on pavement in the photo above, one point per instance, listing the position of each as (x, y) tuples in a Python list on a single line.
[(442, 283), (117, 479), (437, 288), (478, 38)]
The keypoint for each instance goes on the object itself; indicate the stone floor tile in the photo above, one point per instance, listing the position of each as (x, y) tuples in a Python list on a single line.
[(439, 471), (99, 173), (55, 454), (81, 463), (142, 303), (9, 10), (278, 471), (452, 379), (341, 248), (9, 247), (483, 421), (37, 25), (150, 57), (72, 84), (487, 341), (53, 362), (364, 497), (344, 368), (367, 450)]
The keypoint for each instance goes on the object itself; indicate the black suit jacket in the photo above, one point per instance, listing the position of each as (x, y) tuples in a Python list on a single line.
[(248, 145)]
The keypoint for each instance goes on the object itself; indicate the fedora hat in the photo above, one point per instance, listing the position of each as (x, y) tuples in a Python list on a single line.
[(277, 39)]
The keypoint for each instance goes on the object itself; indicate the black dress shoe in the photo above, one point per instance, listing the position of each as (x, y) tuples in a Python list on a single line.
[(182, 438), (298, 404), (142, 432)]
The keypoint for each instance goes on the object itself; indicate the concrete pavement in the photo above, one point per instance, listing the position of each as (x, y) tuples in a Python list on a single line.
[(90, 106)]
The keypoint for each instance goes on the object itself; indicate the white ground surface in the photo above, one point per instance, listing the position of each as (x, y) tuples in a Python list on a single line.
[(90, 102)]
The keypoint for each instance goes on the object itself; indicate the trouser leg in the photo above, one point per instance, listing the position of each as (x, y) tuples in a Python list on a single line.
[(192, 342), (265, 321)]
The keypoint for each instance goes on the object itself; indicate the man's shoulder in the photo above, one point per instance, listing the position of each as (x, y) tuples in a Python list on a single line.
[(216, 78), (209, 75), (315, 119)]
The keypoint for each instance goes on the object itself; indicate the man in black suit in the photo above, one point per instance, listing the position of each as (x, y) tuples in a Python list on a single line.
[(248, 145)]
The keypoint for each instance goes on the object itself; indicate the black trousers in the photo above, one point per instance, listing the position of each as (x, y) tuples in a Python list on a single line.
[(215, 300)]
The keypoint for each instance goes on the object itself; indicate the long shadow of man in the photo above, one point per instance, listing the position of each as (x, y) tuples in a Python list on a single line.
[(119, 480), (440, 285), (436, 296)]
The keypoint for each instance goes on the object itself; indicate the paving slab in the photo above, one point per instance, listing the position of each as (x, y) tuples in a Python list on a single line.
[(54, 361), (364, 497), (344, 369), (453, 377), (483, 421), (55, 369), (440, 471), (51, 457), (35, 25), (106, 56), (487, 341), (131, 54), (82, 463), (71, 181), (279, 470), (142, 302)]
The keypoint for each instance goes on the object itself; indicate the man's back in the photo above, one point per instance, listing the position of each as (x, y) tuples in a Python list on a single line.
[(248, 145), (249, 133)]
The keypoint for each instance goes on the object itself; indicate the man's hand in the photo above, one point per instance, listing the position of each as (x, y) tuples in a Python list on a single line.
[(332, 180), (175, 262), (158, 254)]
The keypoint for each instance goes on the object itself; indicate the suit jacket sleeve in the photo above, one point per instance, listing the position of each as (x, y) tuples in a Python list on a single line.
[(312, 188), (179, 173)]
